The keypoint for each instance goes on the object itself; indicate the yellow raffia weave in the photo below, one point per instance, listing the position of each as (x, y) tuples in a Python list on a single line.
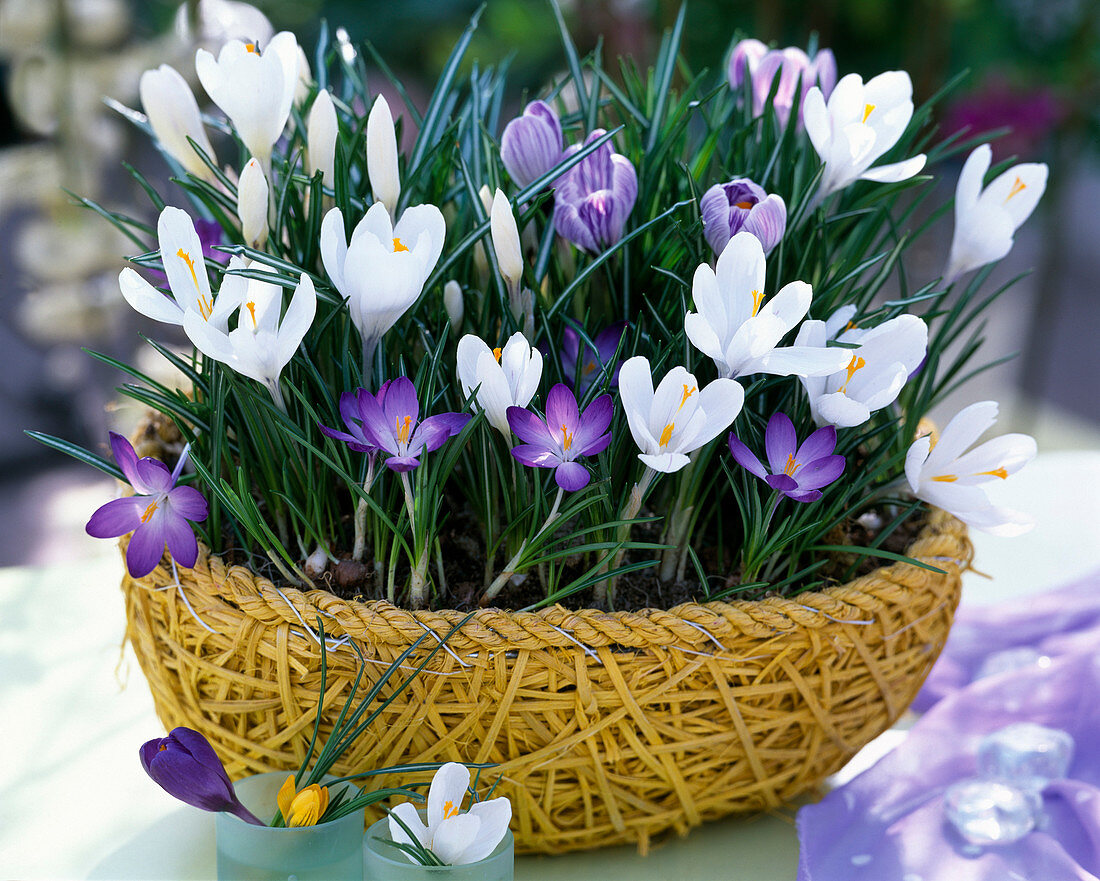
[(606, 728)]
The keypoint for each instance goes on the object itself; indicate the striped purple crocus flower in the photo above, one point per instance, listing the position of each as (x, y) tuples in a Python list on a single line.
[(531, 144), (594, 198), (742, 204)]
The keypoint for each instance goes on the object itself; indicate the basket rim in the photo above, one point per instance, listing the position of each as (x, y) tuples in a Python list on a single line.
[(942, 542)]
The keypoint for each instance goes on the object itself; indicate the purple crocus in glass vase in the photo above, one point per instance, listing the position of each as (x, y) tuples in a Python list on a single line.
[(531, 144), (798, 472), (564, 436), (594, 198), (742, 204), (592, 363), (159, 513), (185, 766)]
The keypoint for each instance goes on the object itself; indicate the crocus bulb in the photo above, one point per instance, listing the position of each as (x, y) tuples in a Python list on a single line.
[(385, 182), (174, 117), (321, 130), (252, 199), (987, 219), (254, 87)]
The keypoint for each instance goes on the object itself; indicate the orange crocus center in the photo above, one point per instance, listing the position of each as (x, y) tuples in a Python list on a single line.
[(496, 353), (149, 512), (757, 301), (854, 366), (403, 430), (791, 467), (251, 311), (568, 437), (206, 308), (450, 809), (742, 204), (996, 472), (868, 109), (398, 245), (945, 478), (666, 435), (1017, 187), (688, 392), (251, 47)]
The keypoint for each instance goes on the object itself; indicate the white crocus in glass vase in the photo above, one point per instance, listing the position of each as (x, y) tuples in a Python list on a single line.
[(174, 117), (678, 417), (987, 219), (456, 838), (382, 270), (252, 203), (261, 345), (503, 377), (181, 253), (738, 330), (873, 373), (859, 124), (941, 472), (254, 87)]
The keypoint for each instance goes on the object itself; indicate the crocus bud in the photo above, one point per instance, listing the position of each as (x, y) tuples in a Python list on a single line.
[(321, 130), (744, 59), (822, 72), (506, 240), (174, 117), (303, 807), (185, 766), (385, 183), (594, 198), (531, 144), (739, 205), (305, 77), (486, 197), (452, 302), (252, 193)]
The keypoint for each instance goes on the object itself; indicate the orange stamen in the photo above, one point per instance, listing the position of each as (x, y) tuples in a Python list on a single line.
[(403, 430), (588, 368), (688, 392), (183, 255), (149, 512), (450, 809), (398, 246), (996, 472), (854, 366), (757, 301), (666, 435), (1018, 186), (945, 478), (496, 353), (868, 109), (251, 311), (742, 204), (791, 467), (251, 47), (568, 437)]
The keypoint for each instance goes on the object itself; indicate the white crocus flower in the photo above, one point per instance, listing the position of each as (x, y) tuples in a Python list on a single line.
[(453, 303), (321, 131), (986, 220), (261, 345), (943, 474), (254, 88), (305, 77), (874, 371), (181, 253), (382, 271), (456, 838), (252, 199), (385, 181), (738, 330), (174, 117), (504, 377), (506, 242), (678, 417), (859, 124)]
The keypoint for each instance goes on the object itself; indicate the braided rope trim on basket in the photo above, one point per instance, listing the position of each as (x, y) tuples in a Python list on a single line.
[(942, 542)]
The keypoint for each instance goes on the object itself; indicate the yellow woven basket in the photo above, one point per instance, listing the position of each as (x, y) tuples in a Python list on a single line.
[(606, 728)]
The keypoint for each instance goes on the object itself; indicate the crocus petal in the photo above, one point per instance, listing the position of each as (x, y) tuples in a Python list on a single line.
[(402, 464), (529, 428), (820, 472), (181, 253), (842, 411), (721, 401), (593, 423), (410, 816), (180, 538), (781, 482), (147, 300), (745, 458), (561, 408), (819, 444), (127, 460), (494, 815), (572, 476), (636, 393), (780, 441), (186, 501), (668, 463), (117, 517), (895, 171), (446, 793), (536, 456), (531, 144), (453, 836), (334, 249), (434, 431), (145, 549)]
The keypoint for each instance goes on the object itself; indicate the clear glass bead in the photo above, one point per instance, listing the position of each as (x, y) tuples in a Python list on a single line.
[(990, 812), (1026, 755)]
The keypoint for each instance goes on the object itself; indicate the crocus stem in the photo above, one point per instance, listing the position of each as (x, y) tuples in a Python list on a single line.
[(678, 520), (418, 581), (498, 584), (360, 546), (369, 345), (605, 590), (246, 815), (277, 395)]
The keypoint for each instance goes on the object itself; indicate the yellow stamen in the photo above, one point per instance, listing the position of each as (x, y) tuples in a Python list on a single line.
[(568, 437), (868, 109), (688, 392), (403, 430), (742, 204), (496, 353), (450, 809), (189, 260), (854, 366), (149, 512), (251, 311), (1018, 186), (666, 435), (588, 368), (945, 478), (791, 467), (757, 300), (251, 47), (996, 472), (398, 246)]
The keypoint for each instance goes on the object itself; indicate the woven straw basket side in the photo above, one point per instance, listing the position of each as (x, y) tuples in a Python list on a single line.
[(606, 728)]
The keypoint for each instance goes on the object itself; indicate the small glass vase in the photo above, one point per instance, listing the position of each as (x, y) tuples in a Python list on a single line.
[(325, 852), (386, 863)]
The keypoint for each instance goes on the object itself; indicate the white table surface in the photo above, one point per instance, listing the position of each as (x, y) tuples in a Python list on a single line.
[(75, 803)]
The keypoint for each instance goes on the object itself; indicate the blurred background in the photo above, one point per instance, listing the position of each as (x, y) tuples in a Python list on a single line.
[(1034, 65)]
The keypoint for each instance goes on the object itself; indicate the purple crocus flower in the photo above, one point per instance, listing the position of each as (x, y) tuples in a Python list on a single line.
[(390, 423), (531, 144), (563, 436), (157, 513), (744, 60), (739, 205), (797, 74), (594, 198), (351, 411), (185, 766), (211, 234), (592, 362), (798, 472)]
